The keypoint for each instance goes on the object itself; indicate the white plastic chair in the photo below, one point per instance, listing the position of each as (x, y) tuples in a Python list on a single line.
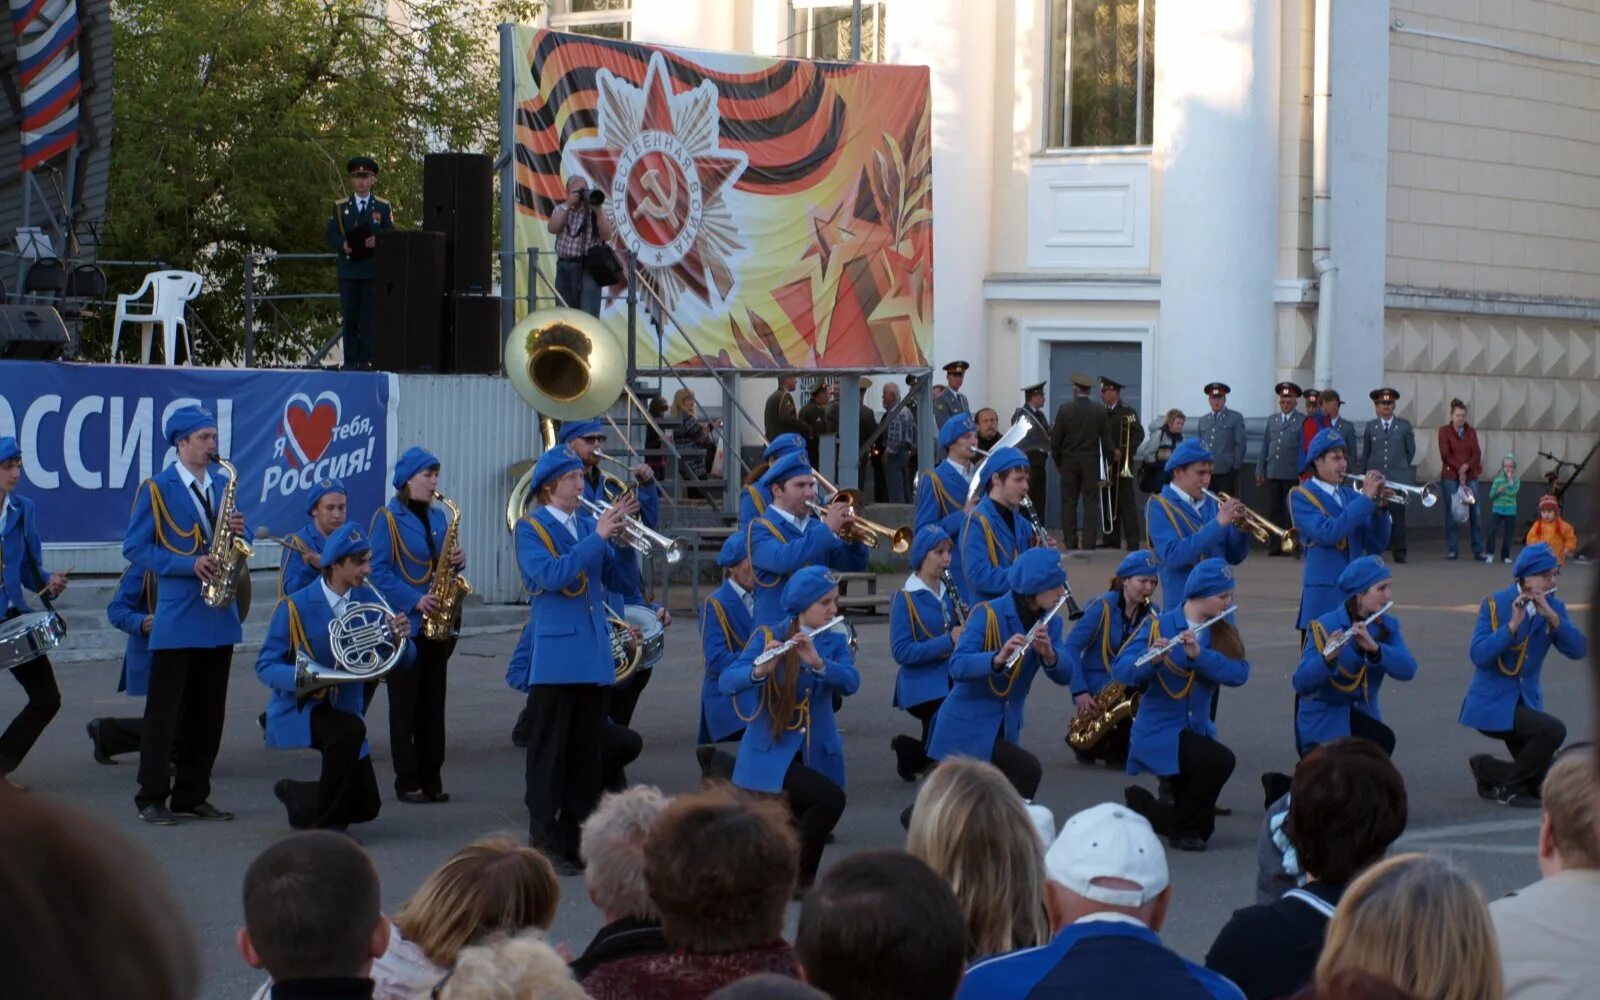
[(170, 292)]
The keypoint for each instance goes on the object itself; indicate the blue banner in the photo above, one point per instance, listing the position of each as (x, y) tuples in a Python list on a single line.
[(90, 434)]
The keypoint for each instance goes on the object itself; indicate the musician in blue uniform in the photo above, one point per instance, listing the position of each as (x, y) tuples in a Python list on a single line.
[(726, 621), (1517, 627), (925, 623), (1108, 623), (942, 491), (1173, 734), (789, 537), (791, 742), (330, 720), (169, 533), (753, 497), (302, 550), (23, 567), (1337, 695), (132, 610), (406, 535), (562, 557), (1337, 524), (997, 531), (982, 716), (1185, 526)]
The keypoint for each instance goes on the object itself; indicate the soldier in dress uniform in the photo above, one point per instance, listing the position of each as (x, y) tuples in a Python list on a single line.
[(1081, 429), (815, 416), (1222, 430), (780, 415), (1126, 436), (1278, 467), (1037, 444), (352, 233), (1390, 446), (950, 401)]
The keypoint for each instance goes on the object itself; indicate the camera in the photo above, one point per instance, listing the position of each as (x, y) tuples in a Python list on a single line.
[(596, 197)]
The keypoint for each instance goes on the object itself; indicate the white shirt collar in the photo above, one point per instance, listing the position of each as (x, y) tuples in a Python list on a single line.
[(1110, 917), (915, 583), (966, 471), (1178, 494), (1386, 423), (5, 511), (744, 595), (799, 522), (189, 479), (1329, 488), (335, 601)]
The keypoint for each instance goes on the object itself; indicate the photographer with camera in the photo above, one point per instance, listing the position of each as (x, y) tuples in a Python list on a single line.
[(579, 226)]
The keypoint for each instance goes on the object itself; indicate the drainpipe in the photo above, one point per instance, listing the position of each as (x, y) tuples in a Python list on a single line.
[(1321, 198)]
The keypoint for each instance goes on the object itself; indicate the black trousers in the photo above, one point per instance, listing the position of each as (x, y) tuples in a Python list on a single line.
[(1362, 726), (183, 715), (1020, 767), (1204, 766), (1278, 501), (1533, 739), (923, 713), (1113, 746), (1128, 526), (1226, 482), (38, 682), (816, 804), (347, 789), (416, 718), (355, 308), (624, 697), (1080, 480), (619, 747), (120, 736), (1039, 479), (564, 772), (1397, 532)]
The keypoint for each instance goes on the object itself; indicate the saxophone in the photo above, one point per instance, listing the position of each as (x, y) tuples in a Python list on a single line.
[(449, 587), (1115, 703), (227, 548)]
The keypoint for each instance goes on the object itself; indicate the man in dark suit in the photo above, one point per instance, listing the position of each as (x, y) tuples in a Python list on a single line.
[(1037, 444), (353, 229), (815, 416), (1080, 431)]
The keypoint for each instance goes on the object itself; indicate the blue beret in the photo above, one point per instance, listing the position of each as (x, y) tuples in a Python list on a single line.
[(186, 421), (347, 540), (925, 541), (806, 587), (322, 489), (955, 428), (735, 550), (1036, 571), (1535, 559), (1140, 563), (1326, 440), (557, 461), (412, 461), (579, 428), (1209, 578), (786, 467), (783, 444), (1361, 574), (1188, 452), (9, 448), (1000, 460)]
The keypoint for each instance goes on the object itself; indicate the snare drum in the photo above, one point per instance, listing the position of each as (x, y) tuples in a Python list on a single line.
[(652, 634), (27, 637)]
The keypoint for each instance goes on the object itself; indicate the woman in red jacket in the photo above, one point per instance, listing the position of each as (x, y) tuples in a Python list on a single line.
[(1462, 462)]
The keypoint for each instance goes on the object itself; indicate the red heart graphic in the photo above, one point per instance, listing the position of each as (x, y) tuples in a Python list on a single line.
[(312, 428)]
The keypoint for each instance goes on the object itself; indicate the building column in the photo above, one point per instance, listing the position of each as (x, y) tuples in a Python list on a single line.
[(1216, 174)]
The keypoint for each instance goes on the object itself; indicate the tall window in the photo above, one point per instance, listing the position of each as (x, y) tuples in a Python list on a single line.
[(1102, 76), (602, 18), (820, 29)]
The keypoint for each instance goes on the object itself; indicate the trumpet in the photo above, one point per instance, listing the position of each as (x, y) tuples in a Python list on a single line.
[(767, 656), (1168, 645), (1339, 640), (1263, 530), (639, 535), (870, 531), (1427, 494), (962, 611), (1039, 626)]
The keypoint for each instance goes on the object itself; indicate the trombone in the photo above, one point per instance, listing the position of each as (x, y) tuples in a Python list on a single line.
[(639, 535), (1108, 499), (1263, 530), (1427, 494), (899, 538)]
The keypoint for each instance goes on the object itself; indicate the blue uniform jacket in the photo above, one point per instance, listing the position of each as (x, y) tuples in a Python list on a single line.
[(725, 628), (812, 733), (23, 559), (919, 637), (135, 598), (1095, 959), (401, 565), (754, 500), (1506, 667), (942, 500), (1329, 692), (167, 534), (1095, 641), (777, 549), (567, 638), (1181, 539), (984, 703), (294, 573), (988, 548), (1334, 532), (1177, 691)]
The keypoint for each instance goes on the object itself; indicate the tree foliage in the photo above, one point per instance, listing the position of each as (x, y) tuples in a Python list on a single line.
[(233, 122)]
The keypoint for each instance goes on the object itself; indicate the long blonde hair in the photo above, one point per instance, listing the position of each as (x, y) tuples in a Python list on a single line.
[(678, 399), (1419, 922), (494, 885), (972, 827)]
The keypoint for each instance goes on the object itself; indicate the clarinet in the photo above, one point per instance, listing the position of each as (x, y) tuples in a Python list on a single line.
[(962, 611)]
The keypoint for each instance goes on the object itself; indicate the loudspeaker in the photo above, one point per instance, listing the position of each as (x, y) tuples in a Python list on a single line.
[(408, 302), (31, 333), (475, 344), (458, 201)]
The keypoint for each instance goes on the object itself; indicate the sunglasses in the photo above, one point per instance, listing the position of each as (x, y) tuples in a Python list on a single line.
[(596, 439)]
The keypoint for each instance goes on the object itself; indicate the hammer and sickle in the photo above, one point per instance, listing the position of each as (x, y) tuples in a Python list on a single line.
[(660, 203)]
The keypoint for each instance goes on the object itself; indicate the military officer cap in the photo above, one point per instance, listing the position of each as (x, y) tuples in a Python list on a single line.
[(820, 389), (866, 383), (1081, 380), (957, 367), (1108, 383), (1384, 395), (1029, 390), (1287, 389), (1332, 394), (366, 163), (911, 380), (1217, 389), (1313, 395)]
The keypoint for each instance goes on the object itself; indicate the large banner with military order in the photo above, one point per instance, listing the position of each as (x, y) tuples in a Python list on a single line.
[(780, 209)]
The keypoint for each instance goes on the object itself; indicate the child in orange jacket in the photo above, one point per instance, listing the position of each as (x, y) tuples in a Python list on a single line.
[(1552, 529)]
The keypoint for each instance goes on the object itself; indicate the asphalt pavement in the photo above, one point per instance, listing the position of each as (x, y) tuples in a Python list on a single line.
[(1438, 600)]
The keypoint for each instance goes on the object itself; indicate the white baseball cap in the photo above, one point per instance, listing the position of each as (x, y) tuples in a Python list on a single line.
[(1108, 841)]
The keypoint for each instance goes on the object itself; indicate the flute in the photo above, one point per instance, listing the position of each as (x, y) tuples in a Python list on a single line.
[(1526, 597), (1033, 633), (1167, 646), (767, 656), (1349, 633)]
